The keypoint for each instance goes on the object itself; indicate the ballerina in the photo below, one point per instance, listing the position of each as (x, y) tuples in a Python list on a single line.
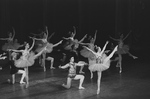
[(11, 42), (49, 48), (15, 70), (99, 64), (98, 54), (122, 49), (27, 59)]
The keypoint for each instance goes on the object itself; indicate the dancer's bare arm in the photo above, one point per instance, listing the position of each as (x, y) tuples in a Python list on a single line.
[(57, 43), (95, 36), (13, 33), (127, 35), (114, 38), (50, 36), (83, 38), (4, 38), (65, 66), (104, 48), (32, 45)]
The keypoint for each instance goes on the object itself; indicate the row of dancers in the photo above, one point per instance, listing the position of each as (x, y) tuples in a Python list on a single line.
[(98, 60)]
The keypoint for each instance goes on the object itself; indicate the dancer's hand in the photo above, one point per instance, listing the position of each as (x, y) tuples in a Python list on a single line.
[(107, 42), (59, 66), (116, 48)]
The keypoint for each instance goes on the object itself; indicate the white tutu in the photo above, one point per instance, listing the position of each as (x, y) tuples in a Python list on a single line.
[(93, 66)]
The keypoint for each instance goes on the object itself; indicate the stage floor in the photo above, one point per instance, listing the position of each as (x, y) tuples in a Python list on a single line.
[(133, 83)]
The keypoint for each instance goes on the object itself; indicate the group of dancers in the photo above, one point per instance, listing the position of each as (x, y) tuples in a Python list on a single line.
[(22, 56)]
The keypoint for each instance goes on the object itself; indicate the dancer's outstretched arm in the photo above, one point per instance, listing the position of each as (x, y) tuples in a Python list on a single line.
[(4, 38), (83, 38), (37, 34), (114, 39), (13, 33), (95, 36), (50, 36), (32, 45), (103, 48), (46, 30), (74, 32), (15, 50), (57, 43), (127, 35), (80, 64), (65, 66), (36, 38)]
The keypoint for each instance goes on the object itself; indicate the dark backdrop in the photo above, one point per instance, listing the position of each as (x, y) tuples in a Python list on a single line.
[(107, 16)]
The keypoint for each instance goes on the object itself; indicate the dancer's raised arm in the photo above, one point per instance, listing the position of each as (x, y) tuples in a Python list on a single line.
[(83, 38), (50, 36), (127, 35), (57, 43), (101, 52), (74, 32), (95, 37), (46, 30), (36, 38), (32, 45), (114, 38), (14, 33), (65, 66)]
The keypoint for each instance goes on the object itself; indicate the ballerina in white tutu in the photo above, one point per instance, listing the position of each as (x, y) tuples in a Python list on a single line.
[(100, 63)]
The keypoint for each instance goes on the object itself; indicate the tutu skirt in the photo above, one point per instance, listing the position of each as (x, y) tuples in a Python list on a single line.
[(49, 48), (93, 66), (10, 45), (22, 63), (123, 50), (7, 46)]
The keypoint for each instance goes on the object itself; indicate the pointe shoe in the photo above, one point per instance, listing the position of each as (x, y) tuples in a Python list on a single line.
[(22, 82), (134, 57), (98, 91), (81, 88), (52, 67)]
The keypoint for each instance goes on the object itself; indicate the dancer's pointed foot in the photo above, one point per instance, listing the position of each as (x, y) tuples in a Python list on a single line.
[(120, 71), (134, 57), (52, 67), (81, 87), (22, 82), (98, 91)]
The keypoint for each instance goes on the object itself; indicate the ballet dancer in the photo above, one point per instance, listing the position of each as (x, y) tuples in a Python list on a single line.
[(15, 70), (27, 59), (72, 73), (122, 49), (49, 48), (99, 64)]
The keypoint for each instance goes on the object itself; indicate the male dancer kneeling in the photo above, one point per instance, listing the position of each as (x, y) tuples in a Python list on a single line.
[(72, 73)]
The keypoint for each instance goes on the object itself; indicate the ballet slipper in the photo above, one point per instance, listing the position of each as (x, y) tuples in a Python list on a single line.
[(81, 88)]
